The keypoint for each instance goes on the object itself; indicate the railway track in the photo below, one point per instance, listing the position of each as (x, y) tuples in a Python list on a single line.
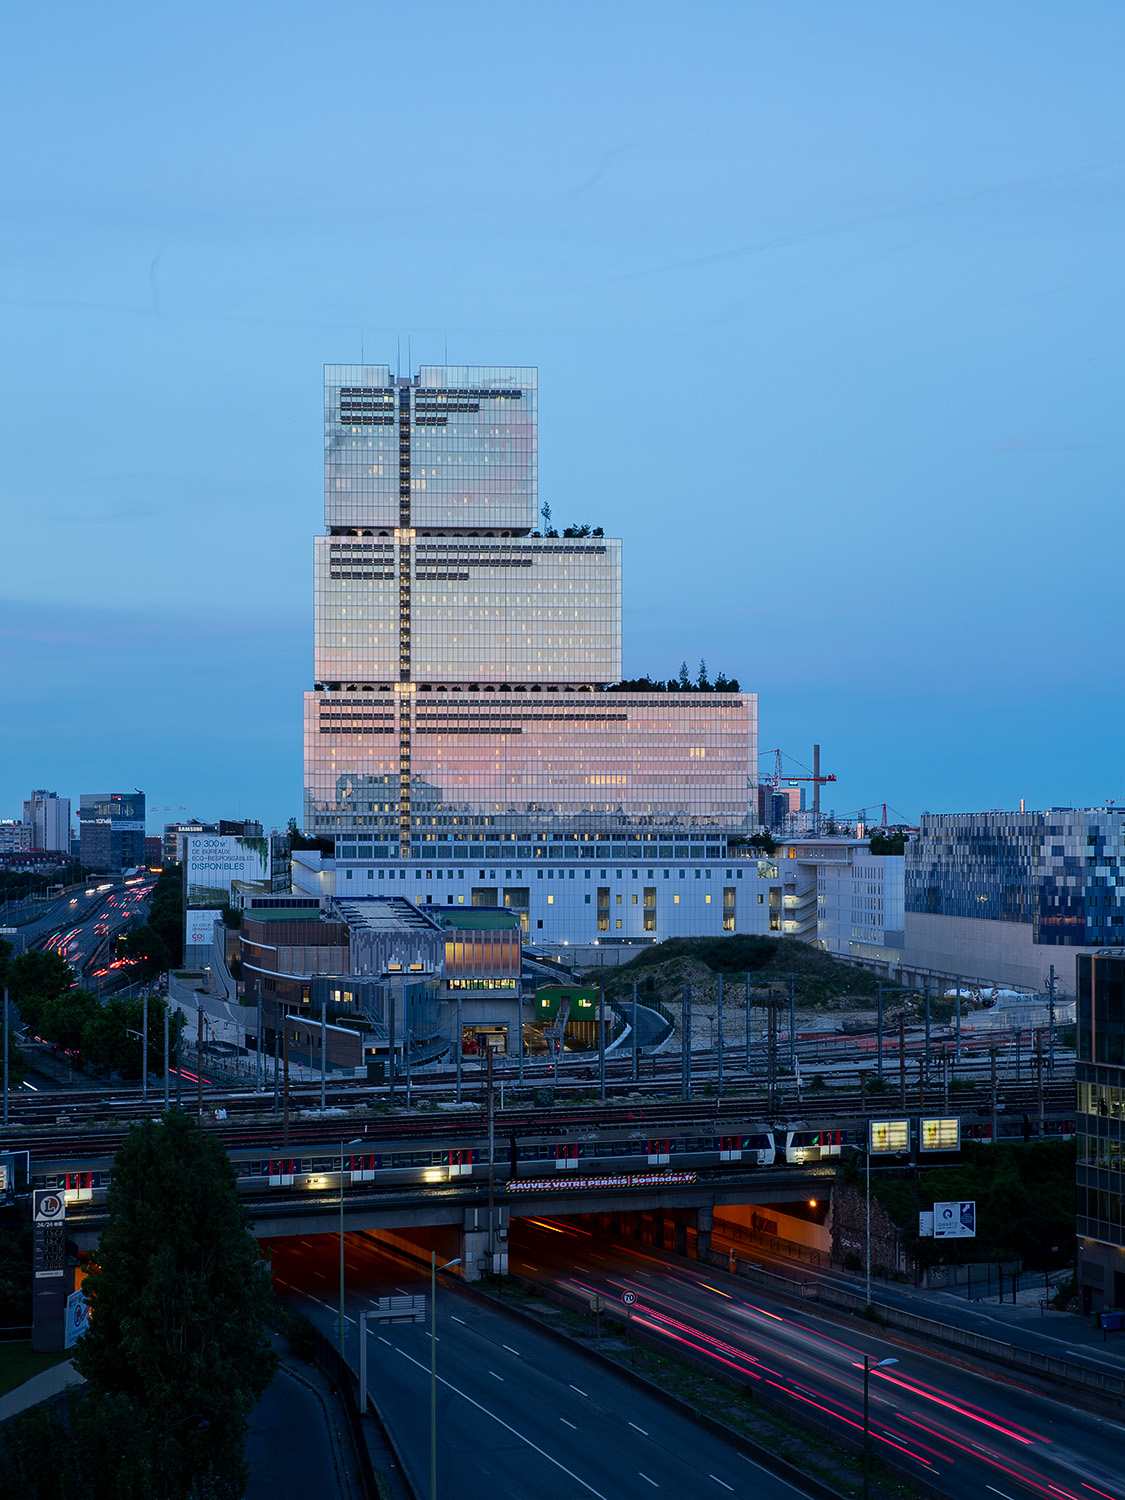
[(251, 1121)]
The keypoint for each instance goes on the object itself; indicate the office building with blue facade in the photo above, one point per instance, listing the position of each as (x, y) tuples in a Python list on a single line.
[(112, 830), (1001, 897)]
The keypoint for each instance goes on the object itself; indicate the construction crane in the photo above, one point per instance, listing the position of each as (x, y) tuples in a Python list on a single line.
[(861, 813), (816, 778)]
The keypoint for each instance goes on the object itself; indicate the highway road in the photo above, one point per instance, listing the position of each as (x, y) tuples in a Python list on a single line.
[(518, 1415), (85, 931), (1060, 1335), (965, 1433)]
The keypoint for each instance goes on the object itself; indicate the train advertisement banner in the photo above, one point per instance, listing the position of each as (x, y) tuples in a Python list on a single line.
[(568, 1184), (215, 860)]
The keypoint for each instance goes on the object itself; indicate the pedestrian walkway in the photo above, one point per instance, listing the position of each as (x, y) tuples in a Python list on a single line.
[(39, 1388)]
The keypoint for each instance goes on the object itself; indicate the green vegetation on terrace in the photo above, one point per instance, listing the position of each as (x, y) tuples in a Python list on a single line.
[(682, 683), (821, 980)]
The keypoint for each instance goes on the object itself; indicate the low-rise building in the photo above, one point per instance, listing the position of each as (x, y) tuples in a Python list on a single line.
[(561, 900), (15, 836), (482, 982)]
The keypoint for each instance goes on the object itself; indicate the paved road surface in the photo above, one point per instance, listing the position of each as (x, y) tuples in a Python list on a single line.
[(289, 1447), (518, 1415), (967, 1434), (1061, 1335)]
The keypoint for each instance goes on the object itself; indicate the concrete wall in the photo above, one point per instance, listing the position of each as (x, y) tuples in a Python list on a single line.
[(800, 1231), (1000, 953)]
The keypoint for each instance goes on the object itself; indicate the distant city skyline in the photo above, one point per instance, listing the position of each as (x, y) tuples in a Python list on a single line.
[(846, 294)]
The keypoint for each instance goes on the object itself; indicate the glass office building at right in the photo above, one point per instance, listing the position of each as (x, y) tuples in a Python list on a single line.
[(1100, 1074)]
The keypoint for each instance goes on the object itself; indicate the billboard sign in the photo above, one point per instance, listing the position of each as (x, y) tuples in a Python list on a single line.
[(955, 1221), (199, 928), (940, 1134), (214, 860), (11, 1164), (48, 1233), (77, 1318), (889, 1136)]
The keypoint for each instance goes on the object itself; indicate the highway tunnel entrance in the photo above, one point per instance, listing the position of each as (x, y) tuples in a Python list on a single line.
[(799, 1231)]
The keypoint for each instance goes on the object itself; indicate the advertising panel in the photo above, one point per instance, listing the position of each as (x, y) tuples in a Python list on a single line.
[(942, 1134), (77, 1318), (955, 1221), (199, 928), (889, 1135), (214, 860)]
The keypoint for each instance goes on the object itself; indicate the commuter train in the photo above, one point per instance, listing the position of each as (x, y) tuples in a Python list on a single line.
[(396, 1164), (612, 1153)]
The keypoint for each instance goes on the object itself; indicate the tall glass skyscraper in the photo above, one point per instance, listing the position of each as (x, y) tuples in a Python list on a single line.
[(467, 697)]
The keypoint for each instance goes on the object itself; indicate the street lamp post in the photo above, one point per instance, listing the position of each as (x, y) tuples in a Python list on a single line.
[(719, 1018), (5, 1057), (869, 1213), (868, 1366), (434, 1268), (356, 1141)]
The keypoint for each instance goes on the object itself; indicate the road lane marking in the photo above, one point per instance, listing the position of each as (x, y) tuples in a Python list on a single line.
[(329, 1308), (581, 1393), (510, 1350), (651, 1481), (638, 1429), (388, 1343), (495, 1376), (995, 1491), (506, 1426), (459, 1320), (569, 1424), (723, 1482)]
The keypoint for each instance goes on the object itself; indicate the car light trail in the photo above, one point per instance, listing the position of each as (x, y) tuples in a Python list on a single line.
[(962, 1409)]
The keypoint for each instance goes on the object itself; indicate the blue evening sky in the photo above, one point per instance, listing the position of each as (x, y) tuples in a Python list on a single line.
[(825, 301)]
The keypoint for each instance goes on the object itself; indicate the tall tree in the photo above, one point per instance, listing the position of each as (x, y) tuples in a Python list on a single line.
[(179, 1305), (35, 979)]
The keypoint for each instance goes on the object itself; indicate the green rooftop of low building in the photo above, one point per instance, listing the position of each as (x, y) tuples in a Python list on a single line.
[(474, 918)]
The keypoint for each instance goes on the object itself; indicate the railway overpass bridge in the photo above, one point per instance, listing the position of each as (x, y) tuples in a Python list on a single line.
[(670, 1210)]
